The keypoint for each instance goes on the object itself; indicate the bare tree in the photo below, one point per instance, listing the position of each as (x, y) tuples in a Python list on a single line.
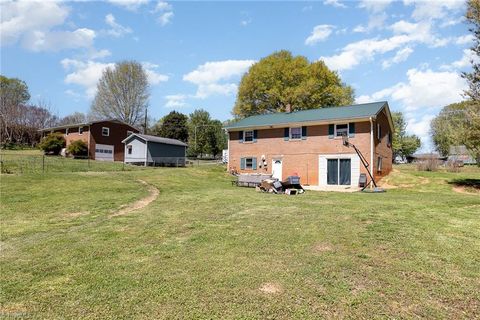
[(122, 93), (74, 118)]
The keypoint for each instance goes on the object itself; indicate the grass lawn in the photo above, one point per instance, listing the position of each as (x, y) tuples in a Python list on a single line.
[(205, 249)]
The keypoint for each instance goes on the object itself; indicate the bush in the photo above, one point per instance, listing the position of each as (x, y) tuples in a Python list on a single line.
[(429, 164), (53, 143), (77, 148)]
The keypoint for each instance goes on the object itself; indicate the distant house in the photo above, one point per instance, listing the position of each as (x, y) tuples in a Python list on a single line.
[(460, 153), (309, 144), (103, 137), (155, 151), (419, 157)]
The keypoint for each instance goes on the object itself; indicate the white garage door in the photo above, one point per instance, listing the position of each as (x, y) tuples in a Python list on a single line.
[(104, 152)]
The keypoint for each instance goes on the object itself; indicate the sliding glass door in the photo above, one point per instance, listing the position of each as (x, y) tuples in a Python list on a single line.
[(339, 171)]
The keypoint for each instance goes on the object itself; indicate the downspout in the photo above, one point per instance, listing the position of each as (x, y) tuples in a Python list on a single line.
[(228, 150), (89, 137), (371, 150)]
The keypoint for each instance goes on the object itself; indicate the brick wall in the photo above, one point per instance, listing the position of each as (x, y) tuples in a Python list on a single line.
[(118, 132), (383, 148)]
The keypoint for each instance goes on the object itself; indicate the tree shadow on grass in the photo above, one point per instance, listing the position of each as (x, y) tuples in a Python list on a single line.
[(466, 183)]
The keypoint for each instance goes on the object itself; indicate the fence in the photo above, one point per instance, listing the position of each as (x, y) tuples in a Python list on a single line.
[(21, 163)]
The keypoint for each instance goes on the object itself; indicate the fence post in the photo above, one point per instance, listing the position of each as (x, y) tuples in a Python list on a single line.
[(43, 164)]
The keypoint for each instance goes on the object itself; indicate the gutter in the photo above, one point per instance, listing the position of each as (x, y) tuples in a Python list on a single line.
[(371, 148)]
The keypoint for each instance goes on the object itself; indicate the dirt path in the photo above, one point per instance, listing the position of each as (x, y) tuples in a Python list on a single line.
[(139, 204)]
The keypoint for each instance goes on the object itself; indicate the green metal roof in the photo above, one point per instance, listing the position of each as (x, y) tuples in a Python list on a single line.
[(365, 110)]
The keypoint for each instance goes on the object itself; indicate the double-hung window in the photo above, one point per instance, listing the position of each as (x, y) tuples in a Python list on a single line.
[(296, 133), (341, 130), (105, 131), (248, 136), (248, 163), (129, 149)]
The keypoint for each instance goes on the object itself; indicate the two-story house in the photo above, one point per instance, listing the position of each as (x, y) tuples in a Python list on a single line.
[(309, 144), (103, 138)]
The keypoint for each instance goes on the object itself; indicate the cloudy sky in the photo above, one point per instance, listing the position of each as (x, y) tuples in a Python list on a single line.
[(407, 52)]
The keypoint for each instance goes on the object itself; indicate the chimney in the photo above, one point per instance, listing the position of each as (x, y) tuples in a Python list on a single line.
[(288, 108)]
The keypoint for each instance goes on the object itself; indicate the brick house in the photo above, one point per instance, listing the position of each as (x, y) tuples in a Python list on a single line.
[(309, 144), (103, 138)]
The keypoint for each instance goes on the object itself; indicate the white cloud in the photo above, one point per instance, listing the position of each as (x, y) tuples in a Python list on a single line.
[(24, 17), (376, 14), (437, 88), (117, 30), (421, 97), (84, 73), (153, 76), (400, 56), (58, 40), (216, 77), (319, 33), (131, 5), (433, 10), (175, 101), (405, 34), (98, 54), (465, 39), (87, 73), (375, 6), (335, 3), (463, 62), (166, 12)]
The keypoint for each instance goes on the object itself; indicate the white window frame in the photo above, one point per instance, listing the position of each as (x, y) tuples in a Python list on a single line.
[(291, 135), (341, 124), (80, 130), (129, 149), (108, 131), (245, 136), (251, 163)]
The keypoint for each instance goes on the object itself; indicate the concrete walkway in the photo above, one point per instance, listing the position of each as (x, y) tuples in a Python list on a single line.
[(332, 188)]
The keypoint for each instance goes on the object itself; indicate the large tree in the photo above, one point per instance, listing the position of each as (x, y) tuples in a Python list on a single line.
[(216, 138), (122, 93), (174, 126), (473, 77), (403, 145), (198, 122), (13, 95), (281, 79), (457, 124)]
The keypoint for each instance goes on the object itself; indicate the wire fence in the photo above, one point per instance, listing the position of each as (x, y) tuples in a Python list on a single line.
[(20, 163)]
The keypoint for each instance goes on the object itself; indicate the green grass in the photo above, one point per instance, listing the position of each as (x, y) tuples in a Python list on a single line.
[(204, 249)]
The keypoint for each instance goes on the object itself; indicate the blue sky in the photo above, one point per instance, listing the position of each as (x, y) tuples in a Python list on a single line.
[(407, 52)]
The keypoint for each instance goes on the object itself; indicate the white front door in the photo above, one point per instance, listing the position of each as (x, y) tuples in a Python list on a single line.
[(277, 169), (104, 152)]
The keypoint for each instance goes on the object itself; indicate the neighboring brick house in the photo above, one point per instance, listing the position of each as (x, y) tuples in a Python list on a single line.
[(104, 137), (309, 144)]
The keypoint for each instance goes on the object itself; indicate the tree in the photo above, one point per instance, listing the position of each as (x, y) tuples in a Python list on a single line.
[(198, 123), (473, 78), (216, 138), (74, 118), (281, 79), (53, 143), (122, 93), (174, 126), (403, 145), (457, 124)]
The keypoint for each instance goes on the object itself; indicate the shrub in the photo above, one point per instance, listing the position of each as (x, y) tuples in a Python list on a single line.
[(77, 148), (53, 143), (429, 164)]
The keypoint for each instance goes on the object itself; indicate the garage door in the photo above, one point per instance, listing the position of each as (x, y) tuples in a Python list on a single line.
[(104, 152)]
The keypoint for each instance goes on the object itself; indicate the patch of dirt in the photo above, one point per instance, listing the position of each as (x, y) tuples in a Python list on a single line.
[(466, 190), (322, 247), (271, 288), (139, 204)]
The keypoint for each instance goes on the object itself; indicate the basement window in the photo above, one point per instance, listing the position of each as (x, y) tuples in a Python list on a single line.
[(80, 130), (379, 164), (105, 131), (129, 149)]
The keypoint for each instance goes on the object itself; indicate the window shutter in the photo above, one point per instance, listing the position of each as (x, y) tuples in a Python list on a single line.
[(286, 134), (351, 129), (255, 135), (331, 131), (254, 163), (240, 136), (304, 133), (242, 163)]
